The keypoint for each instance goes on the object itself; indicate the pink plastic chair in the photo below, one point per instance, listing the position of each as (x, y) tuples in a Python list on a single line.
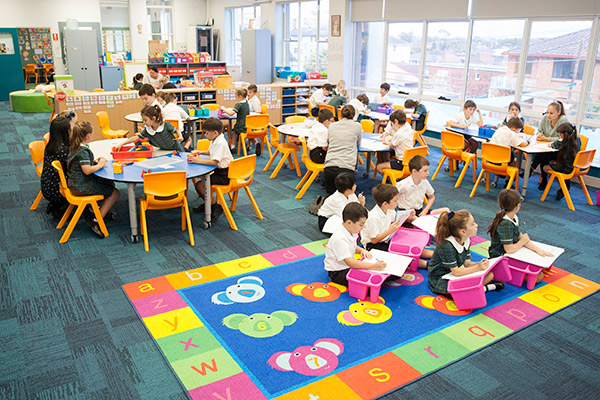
[(409, 243), (361, 280)]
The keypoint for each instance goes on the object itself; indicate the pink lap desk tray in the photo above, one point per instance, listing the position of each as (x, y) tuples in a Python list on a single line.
[(410, 243), (467, 291), (520, 269), (361, 280)]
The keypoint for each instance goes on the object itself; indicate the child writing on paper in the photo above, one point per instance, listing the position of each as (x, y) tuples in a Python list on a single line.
[(319, 96), (463, 120), (159, 133), (504, 229), (174, 112), (345, 183), (82, 181), (453, 233), (568, 146), (341, 248), (381, 224), (318, 135), (402, 138), (219, 155), (360, 104), (241, 110), (383, 96), (419, 113)]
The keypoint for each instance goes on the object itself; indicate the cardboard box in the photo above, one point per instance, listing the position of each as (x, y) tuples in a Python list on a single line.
[(158, 46)]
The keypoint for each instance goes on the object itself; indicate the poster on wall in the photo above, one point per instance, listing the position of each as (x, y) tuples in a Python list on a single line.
[(6, 44), (35, 45)]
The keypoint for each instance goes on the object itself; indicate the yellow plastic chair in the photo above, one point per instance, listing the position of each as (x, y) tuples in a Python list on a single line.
[(241, 173), (584, 142), (98, 90), (528, 130), (294, 119), (30, 70), (36, 148), (211, 107), (80, 201), (175, 123), (104, 124), (419, 134), (452, 149), (256, 128), (46, 138), (165, 190), (398, 107), (47, 69), (285, 149), (581, 166), (495, 159), (313, 169), (202, 144), (264, 109), (395, 175), (367, 125)]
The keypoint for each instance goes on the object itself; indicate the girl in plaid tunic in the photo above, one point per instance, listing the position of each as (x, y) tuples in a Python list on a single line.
[(159, 133), (82, 166), (504, 229), (453, 234), (568, 146)]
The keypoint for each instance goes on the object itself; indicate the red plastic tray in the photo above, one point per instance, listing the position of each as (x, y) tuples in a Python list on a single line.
[(125, 154)]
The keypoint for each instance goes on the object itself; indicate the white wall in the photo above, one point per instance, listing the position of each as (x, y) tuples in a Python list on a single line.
[(187, 12), (114, 17)]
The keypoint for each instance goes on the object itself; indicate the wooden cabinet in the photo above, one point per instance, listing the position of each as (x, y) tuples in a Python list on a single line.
[(295, 96)]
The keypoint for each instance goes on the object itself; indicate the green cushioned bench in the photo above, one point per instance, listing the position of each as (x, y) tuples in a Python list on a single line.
[(28, 102)]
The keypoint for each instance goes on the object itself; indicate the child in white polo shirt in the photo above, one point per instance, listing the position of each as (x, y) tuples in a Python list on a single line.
[(341, 248), (345, 183), (381, 224), (318, 137), (412, 191), (402, 138)]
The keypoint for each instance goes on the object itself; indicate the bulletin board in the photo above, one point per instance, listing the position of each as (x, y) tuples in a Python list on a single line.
[(35, 45)]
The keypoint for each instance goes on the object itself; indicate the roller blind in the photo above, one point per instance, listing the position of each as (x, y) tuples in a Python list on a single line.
[(533, 8), (426, 10), (367, 10)]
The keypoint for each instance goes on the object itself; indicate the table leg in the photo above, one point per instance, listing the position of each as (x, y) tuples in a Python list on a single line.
[(526, 174), (207, 201), (367, 165), (194, 141), (135, 127), (133, 222)]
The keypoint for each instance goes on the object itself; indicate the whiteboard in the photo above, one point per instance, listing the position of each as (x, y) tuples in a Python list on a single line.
[(131, 69)]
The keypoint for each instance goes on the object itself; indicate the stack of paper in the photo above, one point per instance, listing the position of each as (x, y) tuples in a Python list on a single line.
[(395, 263), (427, 223), (531, 257)]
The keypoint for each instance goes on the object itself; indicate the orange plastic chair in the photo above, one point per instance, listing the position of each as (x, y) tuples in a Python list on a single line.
[(36, 148), (241, 173), (398, 107), (175, 123), (419, 134), (51, 104), (584, 142), (256, 128), (313, 169), (581, 166), (452, 148), (285, 149), (327, 107), (395, 175), (98, 90), (30, 70), (46, 138), (211, 107), (367, 125), (528, 130), (264, 109), (47, 69), (495, 159), (104, 124), (201, 145), (294, 119), (80, 201), (165, 190)]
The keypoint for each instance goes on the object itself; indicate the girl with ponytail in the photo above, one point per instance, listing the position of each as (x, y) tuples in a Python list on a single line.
[(452, 254), (568, 146), (159, 133)]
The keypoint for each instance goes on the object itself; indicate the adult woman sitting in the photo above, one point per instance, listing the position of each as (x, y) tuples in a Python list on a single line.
[(555, 116), (342, 152)]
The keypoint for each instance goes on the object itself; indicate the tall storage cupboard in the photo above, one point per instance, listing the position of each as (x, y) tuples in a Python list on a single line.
[(81, 49), (257, 64)]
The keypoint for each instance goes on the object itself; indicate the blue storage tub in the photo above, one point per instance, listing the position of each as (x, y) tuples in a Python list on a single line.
[(288, 110), (288, 92), (288, 100), (486, 132)]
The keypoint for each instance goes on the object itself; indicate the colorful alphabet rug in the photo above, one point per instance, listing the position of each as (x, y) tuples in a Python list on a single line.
[(272, 326)]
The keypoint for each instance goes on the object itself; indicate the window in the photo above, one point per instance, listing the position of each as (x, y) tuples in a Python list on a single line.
[(160, 20), (445, 59), (305, 35), (404, 55), (564, 68), (368, 63), (238, 19)]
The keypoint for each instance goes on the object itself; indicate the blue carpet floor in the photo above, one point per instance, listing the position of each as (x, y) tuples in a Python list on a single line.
[(68, 331)]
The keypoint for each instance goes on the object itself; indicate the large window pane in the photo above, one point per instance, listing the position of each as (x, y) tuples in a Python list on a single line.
[(367, 57), (290, 50), (445, 59), (592, 107), (292, 15), (494, 61), (323, 19), (555, 62), (404, 55), (323, 51), (593, 135)]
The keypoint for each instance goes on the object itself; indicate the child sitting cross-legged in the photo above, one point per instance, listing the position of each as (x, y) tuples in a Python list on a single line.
[(341, 248), (220, 155), (345, 183), (381, 224)]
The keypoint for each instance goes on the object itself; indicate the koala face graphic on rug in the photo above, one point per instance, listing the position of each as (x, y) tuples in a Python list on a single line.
[(260, 325), (317, 291), (247, 290), (318, 359)]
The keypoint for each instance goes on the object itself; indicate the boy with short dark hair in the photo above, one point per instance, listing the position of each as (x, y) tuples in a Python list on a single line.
[(345, 183), (253, 100), (219, 155), (381, 223), (463, 120), (319, 96), (341, 248), (148, 95), (360, 104), (383, 96)]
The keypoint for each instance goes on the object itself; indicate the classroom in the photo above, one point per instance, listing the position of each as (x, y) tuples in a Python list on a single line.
[(141, 274)]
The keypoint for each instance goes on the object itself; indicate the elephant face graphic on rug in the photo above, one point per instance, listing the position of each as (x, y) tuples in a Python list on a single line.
[(247, 290), (316, 360), (260, 325)]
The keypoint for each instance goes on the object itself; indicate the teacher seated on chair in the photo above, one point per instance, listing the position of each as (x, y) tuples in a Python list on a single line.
[(342, 152), (152, 77)]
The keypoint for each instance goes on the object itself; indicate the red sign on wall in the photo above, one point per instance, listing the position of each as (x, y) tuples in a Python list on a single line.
[(61, 96), (55, 37)]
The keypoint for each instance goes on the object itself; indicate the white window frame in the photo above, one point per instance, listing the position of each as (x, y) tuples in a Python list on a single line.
[(230, 39), (170, 35)]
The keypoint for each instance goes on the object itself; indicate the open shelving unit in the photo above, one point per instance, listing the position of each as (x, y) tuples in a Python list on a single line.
[(295, 96), (178, 70)]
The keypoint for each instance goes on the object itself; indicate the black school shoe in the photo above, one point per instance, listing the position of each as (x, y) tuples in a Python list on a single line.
[(560, 195), (215, 212), (199, 208), (93, 224), (258, 149)]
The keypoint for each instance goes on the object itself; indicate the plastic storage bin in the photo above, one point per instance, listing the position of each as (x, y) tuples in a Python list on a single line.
[(288, 100), (361, 280), (288, 91), (287, 110)]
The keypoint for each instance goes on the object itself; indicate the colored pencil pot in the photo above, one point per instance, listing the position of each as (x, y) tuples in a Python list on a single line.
[(192, 112)]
